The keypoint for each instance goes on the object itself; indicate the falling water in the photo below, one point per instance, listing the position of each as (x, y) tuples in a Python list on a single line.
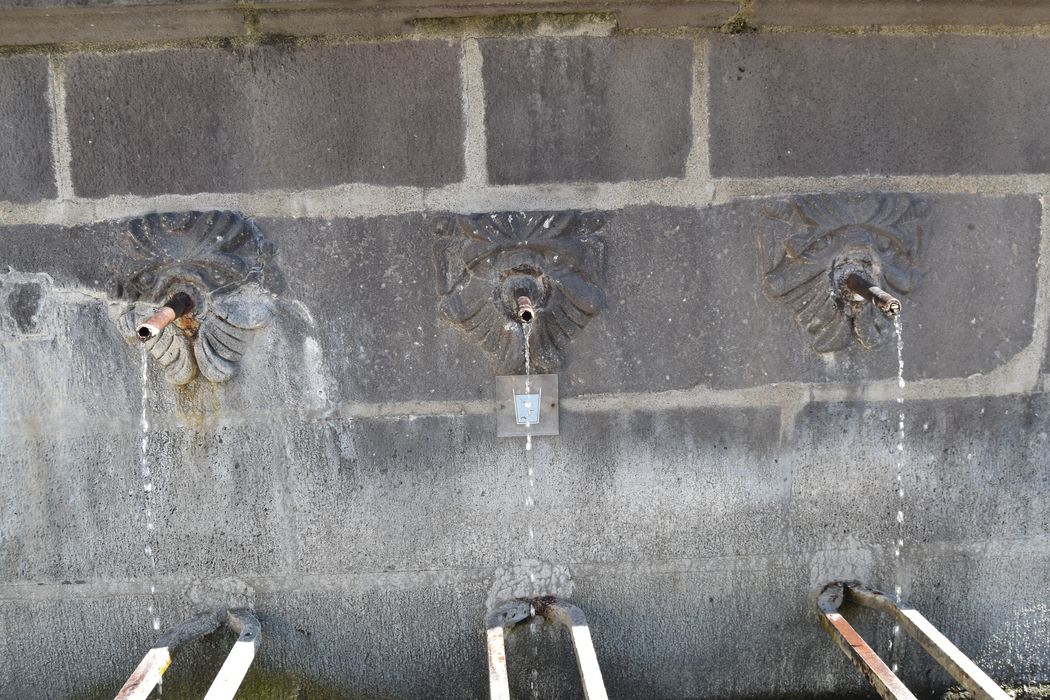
[(526, 331), (147, 494), (898, 544)]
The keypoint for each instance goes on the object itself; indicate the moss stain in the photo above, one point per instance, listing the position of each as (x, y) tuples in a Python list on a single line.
[(259, 684), (738, 23), (541, 23)]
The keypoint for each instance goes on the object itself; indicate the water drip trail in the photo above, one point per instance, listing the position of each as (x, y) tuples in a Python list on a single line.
[(147, 495), (898, 544)]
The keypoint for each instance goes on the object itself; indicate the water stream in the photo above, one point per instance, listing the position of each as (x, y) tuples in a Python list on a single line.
[(147, 494), (526, 332), (898, 544)]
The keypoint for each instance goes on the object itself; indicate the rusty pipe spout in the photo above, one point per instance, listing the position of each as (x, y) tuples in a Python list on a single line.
[(883, 301), (525, 311), (178, 305)]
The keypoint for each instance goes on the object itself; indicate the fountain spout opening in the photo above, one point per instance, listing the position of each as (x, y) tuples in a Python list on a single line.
[(525, 311), (863, 287), (179, 305)]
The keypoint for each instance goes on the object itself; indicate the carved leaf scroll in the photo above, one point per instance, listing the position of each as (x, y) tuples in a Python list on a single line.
[(482, 261), (218, 258), (807, 240)]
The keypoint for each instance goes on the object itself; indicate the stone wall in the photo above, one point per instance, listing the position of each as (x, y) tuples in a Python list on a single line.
[(713, 469)]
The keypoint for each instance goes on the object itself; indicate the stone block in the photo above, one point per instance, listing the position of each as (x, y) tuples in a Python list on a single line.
[(28, 174), (650, 521), (587, 109), (216, 120), (691, 280), (811, 105)]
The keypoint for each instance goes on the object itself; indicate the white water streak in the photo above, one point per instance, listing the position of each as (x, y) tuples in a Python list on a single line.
[(526, 332), (147, 492), (898, 544)]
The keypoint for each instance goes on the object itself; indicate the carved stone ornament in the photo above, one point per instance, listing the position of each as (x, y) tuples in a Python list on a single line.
[(485, 262), (810, 243), (217, 259)]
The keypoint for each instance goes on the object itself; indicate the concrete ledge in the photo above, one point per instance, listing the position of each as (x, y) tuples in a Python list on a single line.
[(817, 14), (95, 25), (57, 22)]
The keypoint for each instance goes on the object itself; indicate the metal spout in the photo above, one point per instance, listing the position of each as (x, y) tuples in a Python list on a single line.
[(525, 312), (864, 288), (178, 305)]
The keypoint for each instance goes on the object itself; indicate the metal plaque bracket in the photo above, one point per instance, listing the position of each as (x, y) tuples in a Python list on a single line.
[(521, 412)]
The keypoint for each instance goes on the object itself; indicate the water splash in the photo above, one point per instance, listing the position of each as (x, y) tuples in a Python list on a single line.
[(898, 544), (147, 493)]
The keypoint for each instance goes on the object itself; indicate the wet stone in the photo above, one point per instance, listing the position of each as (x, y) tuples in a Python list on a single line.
[(959, 589), (22, 301)]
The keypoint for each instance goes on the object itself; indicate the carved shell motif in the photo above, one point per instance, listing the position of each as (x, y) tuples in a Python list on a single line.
[(217, 258), (484, 261), (807, 239)]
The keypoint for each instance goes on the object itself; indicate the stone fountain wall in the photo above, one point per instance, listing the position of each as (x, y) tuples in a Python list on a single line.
[(713, 469)]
